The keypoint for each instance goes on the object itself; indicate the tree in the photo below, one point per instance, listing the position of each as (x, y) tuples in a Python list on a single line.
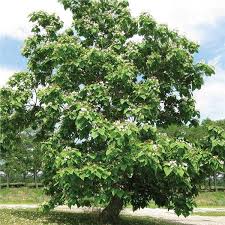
[(215, 142), (200, 136), (192, 134), (25, 157), (30, 155), (95, 97)]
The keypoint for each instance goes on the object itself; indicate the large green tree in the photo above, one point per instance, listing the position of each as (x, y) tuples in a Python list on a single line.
[(94, 94)]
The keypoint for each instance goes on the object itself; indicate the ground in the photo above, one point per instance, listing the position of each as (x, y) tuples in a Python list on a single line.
[(28, 214), (19, 207), (200, 217), (33, 217), (22, 195)]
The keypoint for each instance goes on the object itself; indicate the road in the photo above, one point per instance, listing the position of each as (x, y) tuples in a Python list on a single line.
[(171, 216)]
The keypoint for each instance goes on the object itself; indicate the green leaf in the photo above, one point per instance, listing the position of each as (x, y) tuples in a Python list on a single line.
[(98, 174), (109, 151), (167, 170), (94, 134), (180, 171)]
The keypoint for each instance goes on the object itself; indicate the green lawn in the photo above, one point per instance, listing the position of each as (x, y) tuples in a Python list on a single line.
[(21, 196), (34, 217), (211, 199), (210, 213), (36, 196)]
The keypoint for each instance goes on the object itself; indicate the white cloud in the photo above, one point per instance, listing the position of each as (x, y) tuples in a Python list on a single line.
[(14, 15), (210, 100), (216, 61), (5, 74), (185, 15)]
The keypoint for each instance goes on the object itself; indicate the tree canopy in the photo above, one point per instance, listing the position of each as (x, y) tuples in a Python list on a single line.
[(193, 134), (95, 94)]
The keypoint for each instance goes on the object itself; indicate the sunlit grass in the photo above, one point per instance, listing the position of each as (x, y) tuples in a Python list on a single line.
[(211, 199), (210, 213), (22, 196)]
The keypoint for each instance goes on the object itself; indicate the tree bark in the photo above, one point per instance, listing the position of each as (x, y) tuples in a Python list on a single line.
[(111, 213), (210, 183), (24, 179), (35, 179), (7, 180), (215, 182), (224, 176)]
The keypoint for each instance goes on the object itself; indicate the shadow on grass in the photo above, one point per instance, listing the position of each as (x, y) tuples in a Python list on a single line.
[(71, 218), (62, 218)]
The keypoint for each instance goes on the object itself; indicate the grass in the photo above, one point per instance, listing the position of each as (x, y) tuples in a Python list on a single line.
[(22, 196), (206, 200), (209, 213), (211, 199), (36, 196), (34, 217)]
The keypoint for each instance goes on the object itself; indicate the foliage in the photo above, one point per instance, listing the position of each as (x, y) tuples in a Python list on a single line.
[(215, 143), (192, 134), (94, 97), (24, 158)]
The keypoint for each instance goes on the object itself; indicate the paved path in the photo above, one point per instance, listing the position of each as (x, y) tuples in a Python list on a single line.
[(171, 216), (155, 213)]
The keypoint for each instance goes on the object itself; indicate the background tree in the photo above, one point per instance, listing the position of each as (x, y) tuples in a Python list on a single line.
[(193, 134), (24, 159), (198, 135), (215, 143), (30, 156), (94, 97)]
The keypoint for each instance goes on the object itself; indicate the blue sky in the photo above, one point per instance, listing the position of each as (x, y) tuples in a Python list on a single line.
[(202, 21), (10, 56)]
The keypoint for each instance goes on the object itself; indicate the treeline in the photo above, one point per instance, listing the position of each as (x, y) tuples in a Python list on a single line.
[(193, 134), (199, 135), (22, 166)]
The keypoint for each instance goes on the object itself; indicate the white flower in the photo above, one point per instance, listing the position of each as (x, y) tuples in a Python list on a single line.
[(172, 163), (83, 109)]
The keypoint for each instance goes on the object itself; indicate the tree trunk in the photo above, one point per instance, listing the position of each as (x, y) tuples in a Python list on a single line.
[(24, 179), (210, 183), (7, 180), (205, 185), (35, 179), (224, 176), (215, 182), (111, 213)]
